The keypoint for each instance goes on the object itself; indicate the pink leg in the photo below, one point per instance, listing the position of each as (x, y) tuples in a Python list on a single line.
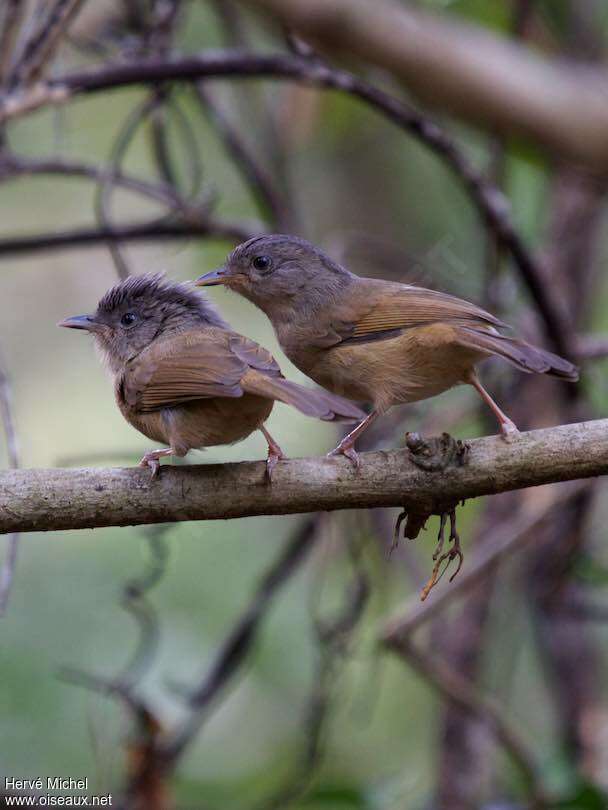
[(151, 459), (347, 445), (275, 454), (508, 428)]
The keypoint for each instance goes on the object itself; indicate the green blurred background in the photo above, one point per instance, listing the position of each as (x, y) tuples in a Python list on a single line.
[(366, 192)]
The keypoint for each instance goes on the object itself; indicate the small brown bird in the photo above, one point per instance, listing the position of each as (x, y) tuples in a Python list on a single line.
[(184, 378), (371, 340)]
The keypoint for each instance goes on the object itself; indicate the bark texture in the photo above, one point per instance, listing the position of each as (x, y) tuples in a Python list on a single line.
[(42, 500)]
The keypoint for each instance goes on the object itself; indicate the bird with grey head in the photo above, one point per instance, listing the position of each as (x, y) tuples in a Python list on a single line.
[(182, 377), (374, 341)]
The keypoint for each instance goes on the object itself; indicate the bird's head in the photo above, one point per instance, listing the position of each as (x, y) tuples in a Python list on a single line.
[(140, 310), (280, 273)]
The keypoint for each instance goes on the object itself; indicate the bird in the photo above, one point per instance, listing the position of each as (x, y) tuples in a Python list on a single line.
[(374, 341), (182, 377)]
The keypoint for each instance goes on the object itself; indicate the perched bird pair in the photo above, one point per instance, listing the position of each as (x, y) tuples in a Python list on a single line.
[(183, 377)]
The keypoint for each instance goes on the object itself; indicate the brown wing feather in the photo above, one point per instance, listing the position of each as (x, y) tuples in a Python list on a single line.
[(254, 355), (193, 365), (521, 354), (311, 402), (385, 310)]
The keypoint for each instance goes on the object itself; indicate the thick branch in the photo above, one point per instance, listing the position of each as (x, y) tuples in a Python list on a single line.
[(41, 500), (481, 77)]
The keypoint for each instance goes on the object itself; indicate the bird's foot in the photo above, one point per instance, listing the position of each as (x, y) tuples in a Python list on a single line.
[(508, 431), (275, 454), (346, 449), (151, 460)]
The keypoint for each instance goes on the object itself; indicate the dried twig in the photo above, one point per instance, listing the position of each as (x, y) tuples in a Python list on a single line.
[(239, 641), (334, 637), (255, 175), (457, 689), (40, 46), (147, 231), (10, 21), (507, 540)]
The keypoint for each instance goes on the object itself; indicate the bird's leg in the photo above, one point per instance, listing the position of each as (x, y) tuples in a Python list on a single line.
[(508, 428), (275, 454), (151, 459), (347, 445)]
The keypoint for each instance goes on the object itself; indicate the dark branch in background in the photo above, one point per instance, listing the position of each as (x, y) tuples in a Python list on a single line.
[(150, 792), (490, 202), (258, 180), (464, 69), (160, 756), (40, 46), (7, 572), (240, 640), (10, 21), (105, 187), (149, 231), (334, 638), (44, 500), (457, 689)]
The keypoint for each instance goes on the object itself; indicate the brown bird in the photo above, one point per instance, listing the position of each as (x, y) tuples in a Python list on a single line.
[(184, 378), (371, 340)]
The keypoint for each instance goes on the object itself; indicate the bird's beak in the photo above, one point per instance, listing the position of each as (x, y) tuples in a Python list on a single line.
[(80, 322), (212, 279)]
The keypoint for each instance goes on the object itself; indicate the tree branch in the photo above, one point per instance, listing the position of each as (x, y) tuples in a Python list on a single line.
[(42, 500), (492, 205), (483, 78), (136, 232)]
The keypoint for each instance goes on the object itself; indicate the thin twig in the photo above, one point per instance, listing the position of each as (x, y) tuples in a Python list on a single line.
[(103, 195), (12, 165), (148, 231), (40, 47), (505, 542), (490, 202), (10, 21), (334, 636), (240, 640), (255, 175), (457, 689)]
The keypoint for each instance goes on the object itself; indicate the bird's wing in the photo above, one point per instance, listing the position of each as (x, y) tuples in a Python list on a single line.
[(185, 367), (254, 355), (376, 310)]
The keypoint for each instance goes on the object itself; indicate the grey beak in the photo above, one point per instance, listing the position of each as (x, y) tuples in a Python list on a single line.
[(212, 279), (80, 322)]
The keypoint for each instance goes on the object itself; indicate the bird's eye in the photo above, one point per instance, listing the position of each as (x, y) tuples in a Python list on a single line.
[(262, 263), (128, 319)]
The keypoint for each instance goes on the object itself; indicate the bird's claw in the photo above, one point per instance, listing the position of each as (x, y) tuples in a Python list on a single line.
[(508, 431), (151, 461), (349, 451), (271, 462)]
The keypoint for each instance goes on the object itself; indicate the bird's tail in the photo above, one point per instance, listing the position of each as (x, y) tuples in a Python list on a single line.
[(310, 401), (520, 354)]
